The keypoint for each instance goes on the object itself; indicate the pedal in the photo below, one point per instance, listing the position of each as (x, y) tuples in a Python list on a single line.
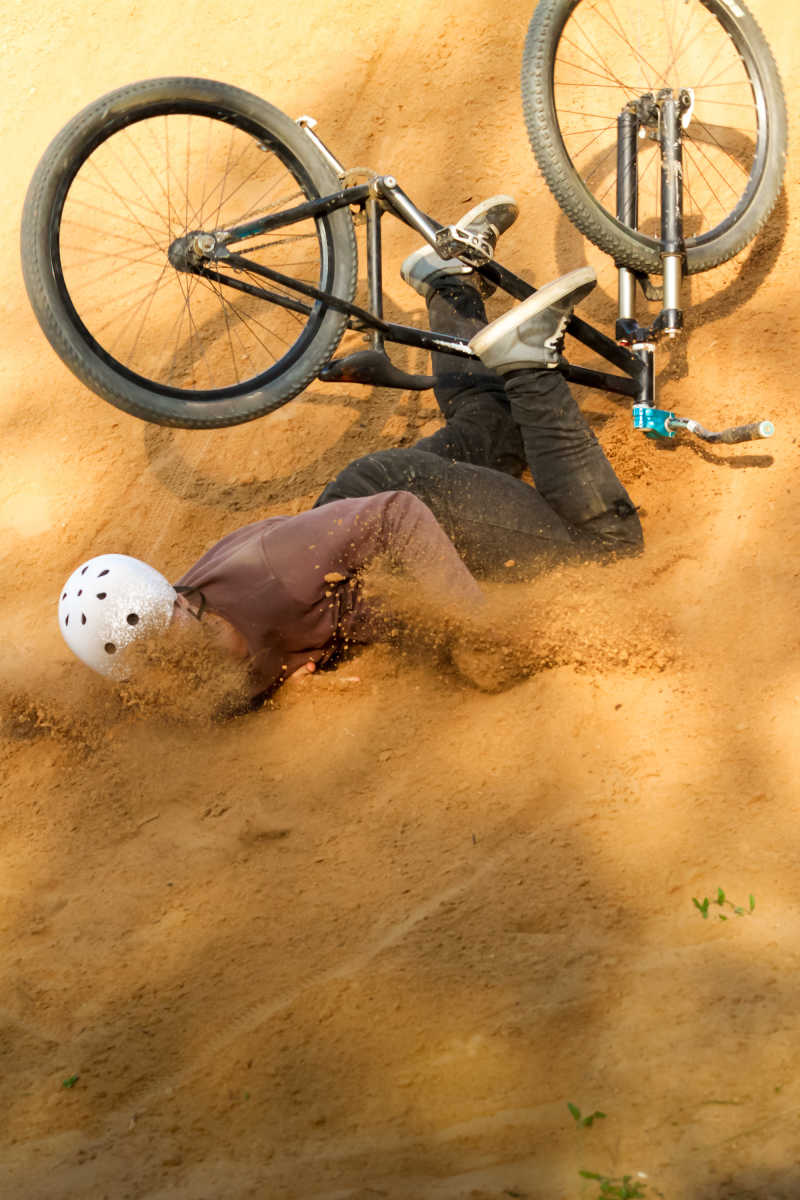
[(374, 369), (475, 248)]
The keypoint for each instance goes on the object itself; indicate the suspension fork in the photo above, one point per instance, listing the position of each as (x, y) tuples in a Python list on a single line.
[(664, 113), (667, 113), (629, 332)]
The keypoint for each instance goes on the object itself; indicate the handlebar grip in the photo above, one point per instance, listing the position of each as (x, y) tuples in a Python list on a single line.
[(747, 433)]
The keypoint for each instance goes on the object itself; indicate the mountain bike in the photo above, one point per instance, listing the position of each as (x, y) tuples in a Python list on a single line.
[(189, 250)]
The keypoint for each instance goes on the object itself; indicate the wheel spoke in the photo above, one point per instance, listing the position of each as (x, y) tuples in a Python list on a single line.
[(249, 321), (596, 59), (611, 52), (617, 27), (156, 180)]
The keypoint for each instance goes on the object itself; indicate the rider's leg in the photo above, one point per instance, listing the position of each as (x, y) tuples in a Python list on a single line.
[(471, 397), (568, 464), (479, 426), (491, 517), (500, 526)]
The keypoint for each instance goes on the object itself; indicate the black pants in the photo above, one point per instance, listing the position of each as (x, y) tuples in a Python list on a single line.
[(467, 471)]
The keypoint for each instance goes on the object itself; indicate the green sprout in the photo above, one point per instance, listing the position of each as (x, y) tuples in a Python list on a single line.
[(722, 901), (624, 1188), (586, 1122)]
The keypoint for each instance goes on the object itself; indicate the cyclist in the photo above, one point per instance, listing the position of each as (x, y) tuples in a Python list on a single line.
[(503, 413), (285, 594)]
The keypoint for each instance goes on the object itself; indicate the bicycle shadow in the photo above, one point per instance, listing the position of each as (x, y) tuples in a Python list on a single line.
[(761, 259), (735, 462), (170, 452)]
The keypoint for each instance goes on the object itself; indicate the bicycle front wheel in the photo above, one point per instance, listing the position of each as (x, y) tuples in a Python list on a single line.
[(127, 178), (585, 60)]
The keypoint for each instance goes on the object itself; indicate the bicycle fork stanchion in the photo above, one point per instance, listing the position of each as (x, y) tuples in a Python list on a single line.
[(670, 110), (374, 266), (627, 202)]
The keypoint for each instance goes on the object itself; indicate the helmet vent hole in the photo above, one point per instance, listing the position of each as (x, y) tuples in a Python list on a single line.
[(102, 573), (85, 569), (64, 596), (132, 619), (83, 618), (102, 595), (66, 619), (110, 648), (80, 591)]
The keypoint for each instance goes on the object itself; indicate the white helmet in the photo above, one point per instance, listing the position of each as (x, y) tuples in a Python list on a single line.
[(107, 603)]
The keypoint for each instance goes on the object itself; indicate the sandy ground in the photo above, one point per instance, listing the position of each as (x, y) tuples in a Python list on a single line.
[(372, 942)]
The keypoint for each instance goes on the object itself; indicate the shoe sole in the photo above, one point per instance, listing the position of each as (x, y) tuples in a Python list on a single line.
[(481, 211), (546, 297), (477, 214), (440, 267)]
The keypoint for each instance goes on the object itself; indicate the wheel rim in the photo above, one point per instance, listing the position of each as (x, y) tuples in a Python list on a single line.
[(152, 179), (610, 52)]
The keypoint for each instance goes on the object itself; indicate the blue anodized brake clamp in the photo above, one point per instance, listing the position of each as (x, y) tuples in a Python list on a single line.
[(654, 422)]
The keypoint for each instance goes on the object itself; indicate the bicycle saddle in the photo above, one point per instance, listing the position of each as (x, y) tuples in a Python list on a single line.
[(375, 369)]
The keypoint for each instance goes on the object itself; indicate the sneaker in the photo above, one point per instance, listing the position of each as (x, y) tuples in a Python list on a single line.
[(530, 334), (424, 269)]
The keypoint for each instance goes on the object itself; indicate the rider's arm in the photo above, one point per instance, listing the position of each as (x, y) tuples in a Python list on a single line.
[(290, 585), (343, 537)]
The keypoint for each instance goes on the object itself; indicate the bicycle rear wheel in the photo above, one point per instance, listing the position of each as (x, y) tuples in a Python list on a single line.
[(133, 172), (585, 60)]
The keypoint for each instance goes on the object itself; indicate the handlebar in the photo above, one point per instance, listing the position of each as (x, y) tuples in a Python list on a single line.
[(739, 433), (658, 422)]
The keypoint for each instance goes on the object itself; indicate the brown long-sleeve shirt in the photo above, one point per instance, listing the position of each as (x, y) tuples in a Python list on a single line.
[(289, 585)]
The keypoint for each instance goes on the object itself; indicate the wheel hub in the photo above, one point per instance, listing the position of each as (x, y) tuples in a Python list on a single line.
[(189, 252)]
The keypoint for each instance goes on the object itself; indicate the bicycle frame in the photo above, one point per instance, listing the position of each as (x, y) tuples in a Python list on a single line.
[(384, 195), (633, 351)]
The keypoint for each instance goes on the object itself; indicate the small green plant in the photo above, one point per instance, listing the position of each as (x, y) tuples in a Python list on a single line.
[(586, 1122), (624, 1188), (70, 1082), (723, 902)]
